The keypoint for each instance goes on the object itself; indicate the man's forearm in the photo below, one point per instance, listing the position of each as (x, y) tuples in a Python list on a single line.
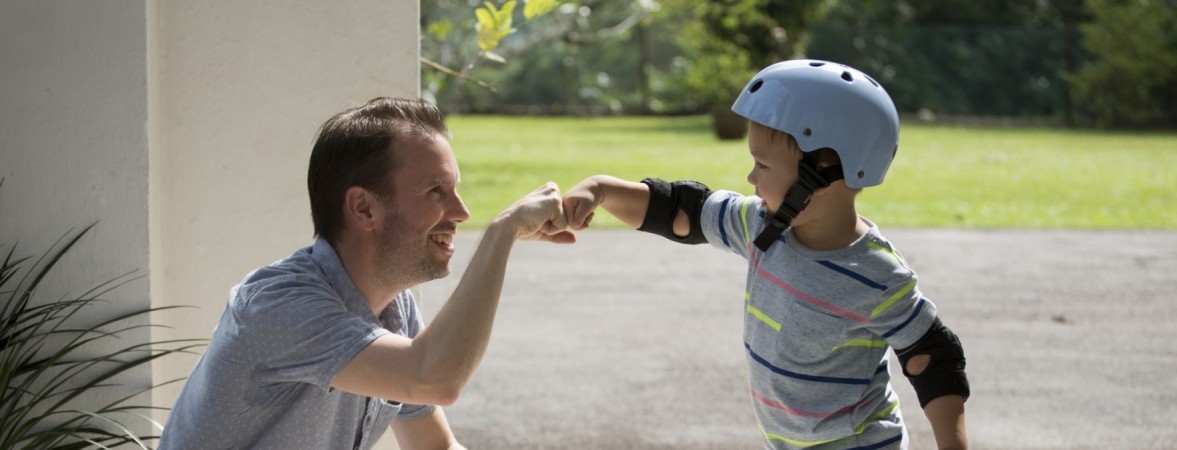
[(456, 339)]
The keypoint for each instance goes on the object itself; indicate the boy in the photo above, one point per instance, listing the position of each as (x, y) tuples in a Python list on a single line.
[(827, 295)]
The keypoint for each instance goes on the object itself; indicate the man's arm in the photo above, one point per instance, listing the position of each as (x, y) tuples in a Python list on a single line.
[(432, 368), (427, 432)]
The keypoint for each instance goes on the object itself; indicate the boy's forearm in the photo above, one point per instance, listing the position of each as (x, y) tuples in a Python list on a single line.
[(946, 415), (625, 200)]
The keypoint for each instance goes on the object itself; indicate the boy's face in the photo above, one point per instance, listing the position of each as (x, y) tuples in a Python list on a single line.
[(774, 164)]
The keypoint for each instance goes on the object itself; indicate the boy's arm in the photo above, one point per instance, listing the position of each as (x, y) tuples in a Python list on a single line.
[(935, 365), (625, 200), (946, 414)]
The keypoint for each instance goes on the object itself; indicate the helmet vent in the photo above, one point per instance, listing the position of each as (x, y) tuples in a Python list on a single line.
[(872, 80), (861, 174), (756, 86), (816, 64), (807, 132), (846, 76)]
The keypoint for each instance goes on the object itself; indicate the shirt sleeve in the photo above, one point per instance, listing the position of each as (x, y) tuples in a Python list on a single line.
[(298, 330), (730, 221), (901, 315)]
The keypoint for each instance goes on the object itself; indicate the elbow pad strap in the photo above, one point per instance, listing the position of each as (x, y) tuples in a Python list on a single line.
[(666, 199), (945, 374)]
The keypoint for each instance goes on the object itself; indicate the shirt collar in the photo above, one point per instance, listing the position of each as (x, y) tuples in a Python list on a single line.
[(325, 256)]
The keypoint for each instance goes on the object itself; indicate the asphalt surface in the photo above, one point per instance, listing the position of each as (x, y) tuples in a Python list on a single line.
[(628, 341)]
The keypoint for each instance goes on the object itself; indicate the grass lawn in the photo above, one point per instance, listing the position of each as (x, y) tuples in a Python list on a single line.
[(943, 176)]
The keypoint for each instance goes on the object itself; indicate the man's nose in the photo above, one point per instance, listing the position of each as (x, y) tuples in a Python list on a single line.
[(458, 211)]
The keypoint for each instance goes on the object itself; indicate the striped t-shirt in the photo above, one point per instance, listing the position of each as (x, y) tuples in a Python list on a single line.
[(817, 329)]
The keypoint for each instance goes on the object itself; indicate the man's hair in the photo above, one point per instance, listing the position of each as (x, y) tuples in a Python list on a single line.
[(359, 147)]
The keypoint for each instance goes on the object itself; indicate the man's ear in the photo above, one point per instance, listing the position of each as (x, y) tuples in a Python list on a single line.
[(360, 208)]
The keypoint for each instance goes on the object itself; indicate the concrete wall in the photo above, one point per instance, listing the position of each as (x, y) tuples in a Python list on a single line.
[(184, 128), (73, 150)]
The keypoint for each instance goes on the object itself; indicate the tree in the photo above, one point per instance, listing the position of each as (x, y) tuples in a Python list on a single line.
[(734, 39), (450, 56), (1133, 76), (978, 57)]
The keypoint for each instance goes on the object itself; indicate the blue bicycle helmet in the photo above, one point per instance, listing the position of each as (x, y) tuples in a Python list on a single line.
[(827, 105), (822, 105)]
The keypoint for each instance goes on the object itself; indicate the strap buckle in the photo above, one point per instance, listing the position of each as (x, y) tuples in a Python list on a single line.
[(809, 180)]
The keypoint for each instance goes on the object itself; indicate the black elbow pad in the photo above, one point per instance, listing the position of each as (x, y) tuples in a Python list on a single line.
[(945, 374), (666, 199)]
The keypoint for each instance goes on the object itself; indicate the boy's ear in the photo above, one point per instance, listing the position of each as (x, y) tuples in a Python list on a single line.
[(359, 208), (840, 184)]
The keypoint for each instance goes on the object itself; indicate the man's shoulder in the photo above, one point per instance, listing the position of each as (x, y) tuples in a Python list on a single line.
[(298, 274)]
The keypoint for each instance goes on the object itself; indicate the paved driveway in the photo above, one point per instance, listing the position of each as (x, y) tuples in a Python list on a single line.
[(627, 341)]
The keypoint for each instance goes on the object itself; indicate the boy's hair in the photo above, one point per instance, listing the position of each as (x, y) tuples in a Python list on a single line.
[(358, 147), (820, 158)]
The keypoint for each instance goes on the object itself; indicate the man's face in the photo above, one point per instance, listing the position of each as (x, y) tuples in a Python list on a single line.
[(416, 241), (774, 165)]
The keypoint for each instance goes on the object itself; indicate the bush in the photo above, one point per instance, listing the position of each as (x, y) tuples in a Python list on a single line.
[(1133, 76), (48, 362)]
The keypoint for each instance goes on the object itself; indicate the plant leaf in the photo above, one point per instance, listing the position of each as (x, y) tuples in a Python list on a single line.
[(493, 24), (44, 370), (536, 8)]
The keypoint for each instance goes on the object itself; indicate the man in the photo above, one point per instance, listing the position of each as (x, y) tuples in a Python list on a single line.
[(324, 349)]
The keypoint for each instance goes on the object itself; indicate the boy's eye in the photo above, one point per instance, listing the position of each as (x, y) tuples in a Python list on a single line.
[(761, 166)]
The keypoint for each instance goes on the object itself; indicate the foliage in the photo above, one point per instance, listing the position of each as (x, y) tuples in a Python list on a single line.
[(444, 43), (566, 27), (943, 176), (1133, 78), (632, 68), (949, 57), (983, 57), (494, 24), (734, 39), (50, 365)]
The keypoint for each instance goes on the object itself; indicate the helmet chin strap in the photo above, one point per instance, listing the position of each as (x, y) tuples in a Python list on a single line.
[(809, 180)]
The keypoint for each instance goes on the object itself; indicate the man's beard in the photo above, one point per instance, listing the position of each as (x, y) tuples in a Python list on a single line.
[(405, 255)]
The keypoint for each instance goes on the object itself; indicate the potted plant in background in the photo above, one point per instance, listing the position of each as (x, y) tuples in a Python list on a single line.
[(714, 80), (732, 41), (54, 353)]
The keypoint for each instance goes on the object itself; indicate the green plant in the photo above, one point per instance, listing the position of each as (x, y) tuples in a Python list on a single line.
[(731, 41), (492, 25), (1131, 80), (49, 359)]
